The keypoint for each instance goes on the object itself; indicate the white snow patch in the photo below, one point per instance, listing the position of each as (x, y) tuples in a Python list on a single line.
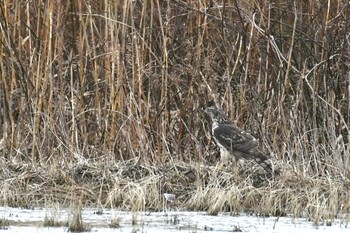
[(28, 221)]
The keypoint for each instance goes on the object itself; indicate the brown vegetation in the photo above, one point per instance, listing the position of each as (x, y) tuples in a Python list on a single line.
[(104, 99)]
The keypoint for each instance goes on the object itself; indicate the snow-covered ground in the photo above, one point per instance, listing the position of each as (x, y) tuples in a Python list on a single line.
[(24, 220)]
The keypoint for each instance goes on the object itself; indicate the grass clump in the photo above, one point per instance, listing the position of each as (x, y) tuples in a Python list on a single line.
[(4, 223), (52, 215), (76, 224), (53, 222), (115, 222)]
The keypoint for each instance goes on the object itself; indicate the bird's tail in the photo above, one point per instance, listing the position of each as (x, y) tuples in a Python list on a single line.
[(265, 163)]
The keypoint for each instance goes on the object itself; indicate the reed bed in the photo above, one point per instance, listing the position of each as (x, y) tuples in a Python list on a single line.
[(103, 100)]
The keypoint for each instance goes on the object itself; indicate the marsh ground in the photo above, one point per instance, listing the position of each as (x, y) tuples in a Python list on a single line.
[(172, 221), (101, 104)]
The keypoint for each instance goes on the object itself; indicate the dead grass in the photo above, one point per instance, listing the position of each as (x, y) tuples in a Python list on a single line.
[(4, 223), (52, 216), (53, 222), (103, 100), (76, 224), (115, 222), (213, 190)]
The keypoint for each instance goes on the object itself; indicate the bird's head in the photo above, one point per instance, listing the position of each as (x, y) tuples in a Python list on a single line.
[(217, 116), (213, 112)]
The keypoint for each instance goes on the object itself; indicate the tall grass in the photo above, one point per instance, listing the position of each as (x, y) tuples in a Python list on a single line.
[(109, 81)]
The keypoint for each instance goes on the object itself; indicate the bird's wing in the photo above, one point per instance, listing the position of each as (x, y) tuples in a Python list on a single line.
[(234, 138)]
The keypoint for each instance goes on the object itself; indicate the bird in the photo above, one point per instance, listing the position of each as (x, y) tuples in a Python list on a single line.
[(234, 141)]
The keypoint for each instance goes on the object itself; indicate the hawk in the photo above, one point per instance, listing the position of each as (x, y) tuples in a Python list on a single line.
[(235, 142)]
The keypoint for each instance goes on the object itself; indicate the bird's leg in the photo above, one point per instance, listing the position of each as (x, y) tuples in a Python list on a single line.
[(221, 165), (224, 158), (235, 166)]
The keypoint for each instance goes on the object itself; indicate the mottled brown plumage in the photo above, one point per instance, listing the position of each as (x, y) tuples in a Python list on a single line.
[(234, 141)]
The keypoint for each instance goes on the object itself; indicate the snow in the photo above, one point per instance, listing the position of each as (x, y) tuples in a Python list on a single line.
[(30, 220)]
